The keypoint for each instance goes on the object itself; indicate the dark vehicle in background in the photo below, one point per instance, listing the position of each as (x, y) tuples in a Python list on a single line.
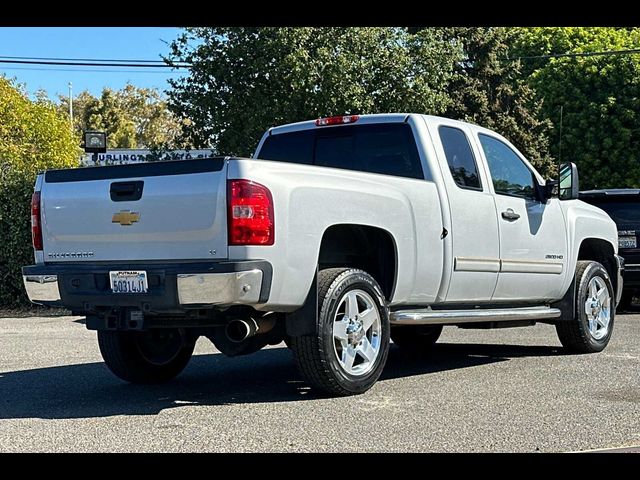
[(623, 206)]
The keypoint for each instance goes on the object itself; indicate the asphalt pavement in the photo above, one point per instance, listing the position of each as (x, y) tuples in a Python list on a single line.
[(508, 390)]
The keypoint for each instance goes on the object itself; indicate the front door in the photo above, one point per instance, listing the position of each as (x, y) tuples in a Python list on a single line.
[(533, 237)]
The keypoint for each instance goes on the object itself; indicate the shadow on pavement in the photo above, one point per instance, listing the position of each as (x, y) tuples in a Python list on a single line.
[(90, 390)]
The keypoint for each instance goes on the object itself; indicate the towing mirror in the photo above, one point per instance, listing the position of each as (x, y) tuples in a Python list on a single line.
[(551, 189), (569, 184)]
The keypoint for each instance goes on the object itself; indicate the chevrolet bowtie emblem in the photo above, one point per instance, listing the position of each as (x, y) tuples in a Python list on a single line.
[(125, 217)]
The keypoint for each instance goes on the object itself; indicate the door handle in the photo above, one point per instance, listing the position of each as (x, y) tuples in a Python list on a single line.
[(510, 215), (126, 191)]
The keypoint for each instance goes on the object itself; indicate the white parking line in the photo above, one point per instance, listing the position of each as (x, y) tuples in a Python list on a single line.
[(624, 449)]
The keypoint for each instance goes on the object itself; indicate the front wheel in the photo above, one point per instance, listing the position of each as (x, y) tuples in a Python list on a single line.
[(347, 353), (591, 328), (153, 356)]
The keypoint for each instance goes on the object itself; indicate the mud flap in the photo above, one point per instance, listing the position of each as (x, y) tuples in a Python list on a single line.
[(567, 305), (304, 321)]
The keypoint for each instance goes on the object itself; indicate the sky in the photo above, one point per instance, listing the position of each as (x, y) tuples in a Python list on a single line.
[(136, 43)]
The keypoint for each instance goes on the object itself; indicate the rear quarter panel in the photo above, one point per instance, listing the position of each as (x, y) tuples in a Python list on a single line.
[(310, 199)]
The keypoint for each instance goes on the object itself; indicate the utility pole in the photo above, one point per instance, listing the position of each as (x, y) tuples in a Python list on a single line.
[(71, 104), (560, 138)]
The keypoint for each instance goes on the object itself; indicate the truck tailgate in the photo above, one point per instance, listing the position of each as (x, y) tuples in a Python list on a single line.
[(148, 211)]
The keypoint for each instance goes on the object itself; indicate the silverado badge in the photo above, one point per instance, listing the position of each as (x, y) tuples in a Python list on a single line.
[(125, 217)]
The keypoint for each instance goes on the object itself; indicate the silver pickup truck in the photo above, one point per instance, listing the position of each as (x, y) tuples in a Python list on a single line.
[(341, 234)]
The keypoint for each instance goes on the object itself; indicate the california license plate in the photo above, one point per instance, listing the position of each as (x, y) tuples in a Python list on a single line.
[(627, 242), (128, 281)]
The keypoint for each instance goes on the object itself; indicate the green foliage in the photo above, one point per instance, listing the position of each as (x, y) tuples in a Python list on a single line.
[(490, 91), (132, 117), (245, 80), (600, 96), (33, 137)]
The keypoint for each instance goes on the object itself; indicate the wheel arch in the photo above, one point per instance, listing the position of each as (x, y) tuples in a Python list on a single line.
[(602, 251), (369, 248)]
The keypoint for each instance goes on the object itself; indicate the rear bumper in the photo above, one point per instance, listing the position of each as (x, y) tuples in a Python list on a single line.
[(173, 287)]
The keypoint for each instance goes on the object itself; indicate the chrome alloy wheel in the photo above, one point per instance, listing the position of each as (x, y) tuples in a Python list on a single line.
[(357, 330), (598, 308)]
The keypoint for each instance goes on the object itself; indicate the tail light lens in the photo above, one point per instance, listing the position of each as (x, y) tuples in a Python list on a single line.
[(250, 215), (36, 224)]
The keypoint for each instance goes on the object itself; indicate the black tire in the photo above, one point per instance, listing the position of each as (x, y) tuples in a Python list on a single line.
[(574, 334), (153, 356), (316, 355), (415, 339)]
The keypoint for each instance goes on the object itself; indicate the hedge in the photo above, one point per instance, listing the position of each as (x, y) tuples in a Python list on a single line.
[(33, 137)]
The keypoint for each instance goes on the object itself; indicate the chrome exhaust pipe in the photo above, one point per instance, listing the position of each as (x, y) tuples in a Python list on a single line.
[(238, 330)]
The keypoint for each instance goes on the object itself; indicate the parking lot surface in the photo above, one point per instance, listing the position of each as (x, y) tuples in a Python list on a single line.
[(478, 391)]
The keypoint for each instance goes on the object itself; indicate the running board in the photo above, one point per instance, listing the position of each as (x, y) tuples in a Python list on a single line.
[(454, 317)]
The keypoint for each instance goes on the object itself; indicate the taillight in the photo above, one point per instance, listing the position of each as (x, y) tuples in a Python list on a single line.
[(250, 215), (36, 224), (338, 120)]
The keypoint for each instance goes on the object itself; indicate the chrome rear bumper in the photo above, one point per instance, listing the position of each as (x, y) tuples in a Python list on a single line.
[(219, 288), (42, 288), (173, 287)]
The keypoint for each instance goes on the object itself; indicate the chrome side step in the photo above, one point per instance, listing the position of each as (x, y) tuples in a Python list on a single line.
[(428, 316)]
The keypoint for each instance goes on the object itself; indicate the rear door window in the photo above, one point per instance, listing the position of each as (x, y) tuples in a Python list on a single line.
[(389, 148), (462, 163)]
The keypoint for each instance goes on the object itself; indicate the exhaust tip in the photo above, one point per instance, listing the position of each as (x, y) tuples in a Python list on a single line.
[(239, 330)]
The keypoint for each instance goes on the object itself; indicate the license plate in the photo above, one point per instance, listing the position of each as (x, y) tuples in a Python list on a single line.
[(129, 281), (627, 242)]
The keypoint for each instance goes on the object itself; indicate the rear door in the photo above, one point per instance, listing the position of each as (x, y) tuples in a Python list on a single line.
[(151, 211), (533, 237), (474, 228)]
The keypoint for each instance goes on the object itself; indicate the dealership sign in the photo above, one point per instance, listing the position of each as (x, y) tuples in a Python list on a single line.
[(119, 156)]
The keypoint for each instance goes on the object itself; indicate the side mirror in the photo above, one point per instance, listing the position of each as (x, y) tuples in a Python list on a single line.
[(569, 184), (551, 189)]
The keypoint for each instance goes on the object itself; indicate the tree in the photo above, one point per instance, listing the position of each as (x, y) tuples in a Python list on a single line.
[(245, 80), (490, 91), (33, 137), (132, 117), (599, 95)]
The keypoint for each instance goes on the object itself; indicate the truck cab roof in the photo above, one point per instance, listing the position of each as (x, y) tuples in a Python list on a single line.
[(362, 119)]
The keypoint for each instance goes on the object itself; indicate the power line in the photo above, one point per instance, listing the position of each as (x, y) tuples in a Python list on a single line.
[(631, 51), (53, 69), (92, 64), (137, 63), (9, 57)]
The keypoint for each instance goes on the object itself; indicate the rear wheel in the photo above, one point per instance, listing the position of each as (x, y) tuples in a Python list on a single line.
[(592, 326), (415, 338), (152, 356), (347, 353)]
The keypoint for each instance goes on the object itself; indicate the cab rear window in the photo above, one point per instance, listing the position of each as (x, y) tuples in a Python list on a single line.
[(388, 149)]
